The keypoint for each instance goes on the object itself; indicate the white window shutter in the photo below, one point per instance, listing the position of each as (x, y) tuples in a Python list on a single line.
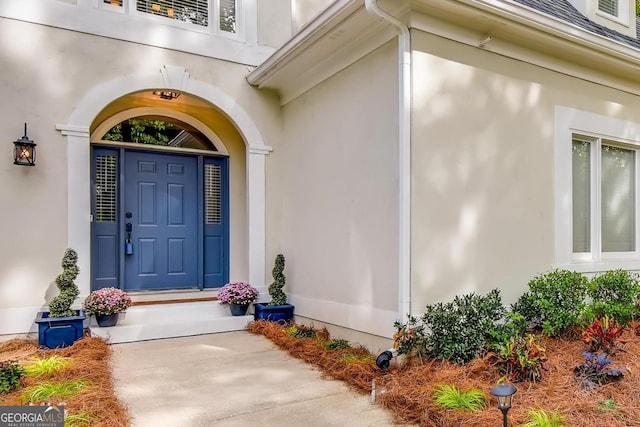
[(608, 6)]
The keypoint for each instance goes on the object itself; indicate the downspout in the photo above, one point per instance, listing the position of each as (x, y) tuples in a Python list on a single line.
[(404, 157)]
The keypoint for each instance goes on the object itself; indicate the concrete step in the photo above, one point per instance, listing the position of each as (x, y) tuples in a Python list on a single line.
[(148, 322)]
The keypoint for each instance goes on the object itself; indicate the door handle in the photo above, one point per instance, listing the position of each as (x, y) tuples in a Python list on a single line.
[(128, 245)]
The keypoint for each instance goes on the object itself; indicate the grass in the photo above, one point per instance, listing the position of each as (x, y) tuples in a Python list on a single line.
[(542, 418), (450, 397), (59, 390), (47, 365), (81, 419), (355, 358)]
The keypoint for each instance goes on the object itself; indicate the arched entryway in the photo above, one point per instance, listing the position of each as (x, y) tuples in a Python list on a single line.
[(159, 201), (103, 106)]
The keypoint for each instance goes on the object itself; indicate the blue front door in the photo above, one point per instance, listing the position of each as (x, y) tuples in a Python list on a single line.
[(160, 221)]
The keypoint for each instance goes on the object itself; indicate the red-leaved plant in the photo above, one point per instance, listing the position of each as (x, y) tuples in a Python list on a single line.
[(602, 334)]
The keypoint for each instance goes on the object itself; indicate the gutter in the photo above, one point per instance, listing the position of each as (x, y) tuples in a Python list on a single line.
[(556, 27), (404, 157)]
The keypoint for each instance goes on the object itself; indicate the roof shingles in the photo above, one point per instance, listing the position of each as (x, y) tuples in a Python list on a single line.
[(564, 10)]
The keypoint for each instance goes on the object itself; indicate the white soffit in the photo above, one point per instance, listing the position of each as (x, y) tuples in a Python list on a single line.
[(335, 39), (512, 25), (345, 32)]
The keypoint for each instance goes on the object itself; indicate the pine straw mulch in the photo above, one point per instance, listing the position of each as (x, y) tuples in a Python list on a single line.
[(90, 358), (406, 390)]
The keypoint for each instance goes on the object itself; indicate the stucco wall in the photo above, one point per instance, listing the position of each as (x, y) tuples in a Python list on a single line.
[(333, 198), (483, 167), (45, 76), (274, 22), (304, 11)]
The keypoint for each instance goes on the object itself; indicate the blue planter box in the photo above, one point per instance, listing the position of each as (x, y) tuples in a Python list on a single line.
[(55, 332), (274, 313)]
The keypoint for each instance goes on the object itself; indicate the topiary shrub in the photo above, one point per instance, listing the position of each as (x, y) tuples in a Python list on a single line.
[(278, 297), (555, 301), (60, 306), (614, 294)]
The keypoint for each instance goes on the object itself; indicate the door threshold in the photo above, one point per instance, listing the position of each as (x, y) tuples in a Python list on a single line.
[(175, 301), (173, 296)]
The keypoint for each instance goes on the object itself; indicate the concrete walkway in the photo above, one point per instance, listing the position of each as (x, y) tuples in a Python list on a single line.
[(232, 379)]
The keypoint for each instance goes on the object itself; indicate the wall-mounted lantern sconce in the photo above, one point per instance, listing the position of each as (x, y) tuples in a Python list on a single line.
[(504, 393), (166, 94), (24, 150)]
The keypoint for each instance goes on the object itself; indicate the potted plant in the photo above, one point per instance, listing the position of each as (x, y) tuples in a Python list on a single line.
[(277, 310), (61, 326), (107, 304), (238, 295)]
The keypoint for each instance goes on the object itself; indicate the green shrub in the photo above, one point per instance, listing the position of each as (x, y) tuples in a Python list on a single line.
[(515, 325), (542, 418), (450, 397), (555, 301), (301, 331), (527, 306), (410, 337), (614, 293), (459, 330), (10, 375), (520, 359), (338, 344)]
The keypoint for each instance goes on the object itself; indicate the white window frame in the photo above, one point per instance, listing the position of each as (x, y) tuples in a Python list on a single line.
[(623, 12), (129, 7), (595, 128)]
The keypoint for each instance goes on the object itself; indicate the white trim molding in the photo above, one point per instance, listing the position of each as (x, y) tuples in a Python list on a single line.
[(78, 147), (361, 317), (570, 122)]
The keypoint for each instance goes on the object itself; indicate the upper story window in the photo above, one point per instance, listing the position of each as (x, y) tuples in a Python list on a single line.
[(197, 12), (608, 6)]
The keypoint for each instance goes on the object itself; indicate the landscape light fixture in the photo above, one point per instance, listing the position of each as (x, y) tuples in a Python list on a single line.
[(166, 94), (504, 393), (24, 150)]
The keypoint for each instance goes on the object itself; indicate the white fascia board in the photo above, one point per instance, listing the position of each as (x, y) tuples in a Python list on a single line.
[(308, 34), (528, 17)]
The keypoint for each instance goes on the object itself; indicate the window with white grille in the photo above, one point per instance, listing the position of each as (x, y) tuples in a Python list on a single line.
[(192, 11), (227, 13), (212, 194), (608, 6), (106, 188)]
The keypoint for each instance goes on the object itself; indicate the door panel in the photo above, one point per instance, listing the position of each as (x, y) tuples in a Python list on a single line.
[(161, 194), (216, 229), (105, 241)]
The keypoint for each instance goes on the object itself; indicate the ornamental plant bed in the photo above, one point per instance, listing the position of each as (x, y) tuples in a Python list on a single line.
[(407, 389), (85, 363)]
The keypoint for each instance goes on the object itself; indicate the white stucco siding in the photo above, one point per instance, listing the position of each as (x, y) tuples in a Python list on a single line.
[(483, 167), (333, 196), (45, 77)]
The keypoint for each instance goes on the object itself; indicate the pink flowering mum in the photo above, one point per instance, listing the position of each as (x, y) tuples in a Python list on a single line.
[(237, 293), (107, 301)]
